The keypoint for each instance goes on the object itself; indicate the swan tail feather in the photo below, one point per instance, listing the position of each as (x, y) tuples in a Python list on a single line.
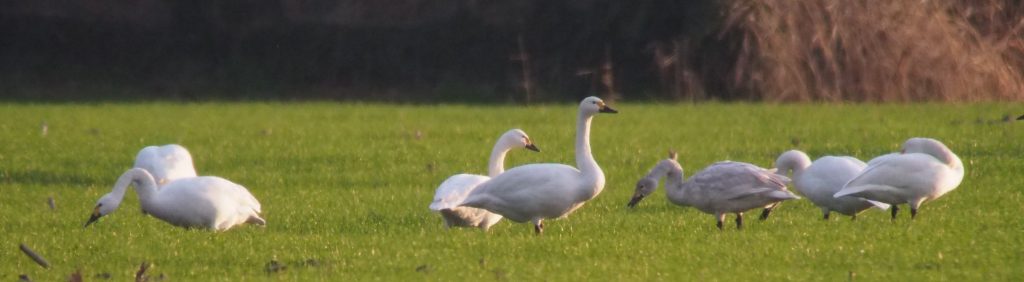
[(255, 219), (877, 204)]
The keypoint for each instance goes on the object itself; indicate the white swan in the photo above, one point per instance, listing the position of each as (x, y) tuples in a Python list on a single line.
[(924, 170), (455, 189), (203, 202), (723, 187), (536, 192), (820, 180), (166, 163)]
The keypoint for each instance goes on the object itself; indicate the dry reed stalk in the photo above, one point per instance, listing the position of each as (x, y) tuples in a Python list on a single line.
[(887, 51)]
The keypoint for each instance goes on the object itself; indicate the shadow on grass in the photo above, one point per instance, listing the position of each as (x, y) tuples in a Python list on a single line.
[(49, 178)]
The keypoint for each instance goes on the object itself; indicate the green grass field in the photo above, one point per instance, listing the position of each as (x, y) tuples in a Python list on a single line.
[(345, 189)]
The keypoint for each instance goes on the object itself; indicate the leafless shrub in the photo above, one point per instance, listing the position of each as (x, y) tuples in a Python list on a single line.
[(878, 51)]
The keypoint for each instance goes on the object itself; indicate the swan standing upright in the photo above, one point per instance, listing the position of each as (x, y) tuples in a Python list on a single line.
[(820, 180), (924, 170), (208, 202), (721, 188), (166, 163), (455, 189), (535, 192)]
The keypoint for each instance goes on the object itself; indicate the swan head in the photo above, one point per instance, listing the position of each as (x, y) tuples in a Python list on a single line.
[(930, 147), (106, 205), (645, 186), (593, 105), (517, 138), (921, 145), (792, 160), (109, 202)]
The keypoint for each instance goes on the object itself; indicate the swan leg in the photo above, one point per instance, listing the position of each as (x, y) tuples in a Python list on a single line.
[(914, 204), (766, 212), (895, 209), (739, 220)]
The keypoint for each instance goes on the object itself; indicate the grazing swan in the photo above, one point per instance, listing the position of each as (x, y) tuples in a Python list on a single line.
[(203, 202), (924, 170), (535, 192), (455, 189), (166, 163), (723, 187), (819, 180)]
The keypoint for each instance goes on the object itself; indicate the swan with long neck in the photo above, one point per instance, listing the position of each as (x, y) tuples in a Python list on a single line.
[(820, 180), (924, 170), (208, 202), (721, 188), (166, 163), (454, 190), (535, 192)]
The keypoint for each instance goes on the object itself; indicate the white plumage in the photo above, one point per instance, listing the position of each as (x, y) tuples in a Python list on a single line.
[(166, 163), (536, 192), (924, 170), (208, 202), (820, 180), (456, 188), (721, 188)]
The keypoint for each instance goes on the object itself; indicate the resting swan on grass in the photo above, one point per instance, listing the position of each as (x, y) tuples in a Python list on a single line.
[(535, 192), (166, 163), (455, 189), (207, 202), (724, 187), (924, 170), (820, 180)]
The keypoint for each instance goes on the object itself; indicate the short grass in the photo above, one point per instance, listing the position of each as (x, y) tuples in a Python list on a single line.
[(345, 189)]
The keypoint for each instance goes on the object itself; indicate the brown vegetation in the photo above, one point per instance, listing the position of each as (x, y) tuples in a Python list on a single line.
[(879, 51)]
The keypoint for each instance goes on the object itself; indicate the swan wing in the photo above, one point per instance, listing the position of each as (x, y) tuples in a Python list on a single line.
[(242, 196), (454, 190), (190, 202), (732, 180), (530, 191), (828, 175), (882, 158), (894, 178), (852, 161)]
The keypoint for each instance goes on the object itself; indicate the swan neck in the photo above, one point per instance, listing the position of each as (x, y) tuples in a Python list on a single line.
[(585, 162), (952, 160), (145, 185), (496, 164), (674, 184), (121, 186), (792, 163), (584, 159)]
